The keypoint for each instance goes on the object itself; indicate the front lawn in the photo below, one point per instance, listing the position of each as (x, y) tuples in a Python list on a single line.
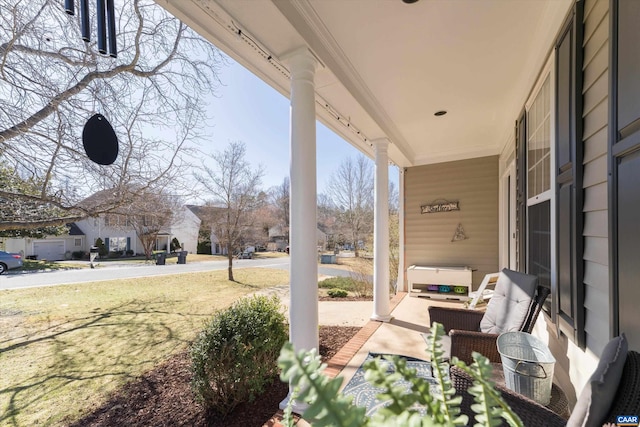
[(64, 349), (35, 265)]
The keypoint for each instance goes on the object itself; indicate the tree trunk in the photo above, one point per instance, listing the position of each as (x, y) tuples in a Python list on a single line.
[(230, 258)]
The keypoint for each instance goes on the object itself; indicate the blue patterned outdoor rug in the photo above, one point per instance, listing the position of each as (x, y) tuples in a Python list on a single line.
[(364, 394)]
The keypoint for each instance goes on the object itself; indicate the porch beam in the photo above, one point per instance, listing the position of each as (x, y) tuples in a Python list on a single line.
[(381, 306), (303, 308)]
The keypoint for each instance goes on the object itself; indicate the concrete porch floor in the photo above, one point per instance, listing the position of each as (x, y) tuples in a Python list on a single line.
[(402, 335)]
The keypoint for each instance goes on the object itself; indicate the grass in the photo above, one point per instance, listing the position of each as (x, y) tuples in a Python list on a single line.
[(63, 349), (351, 264), (338, 282), (32, 265)]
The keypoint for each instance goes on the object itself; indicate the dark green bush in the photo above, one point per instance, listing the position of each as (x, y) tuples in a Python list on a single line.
[(175, 244), (337, 293), (115, 254), (102, 248), (346, 283), (236, 354), (77, 254), (204, 248)]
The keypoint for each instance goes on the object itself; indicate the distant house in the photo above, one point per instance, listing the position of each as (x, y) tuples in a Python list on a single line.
[(118, 234), (205, 213), (116, 231), (51, 248), (278, 239)]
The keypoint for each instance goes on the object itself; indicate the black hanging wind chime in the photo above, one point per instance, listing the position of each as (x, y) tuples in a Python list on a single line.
[(98, 137)]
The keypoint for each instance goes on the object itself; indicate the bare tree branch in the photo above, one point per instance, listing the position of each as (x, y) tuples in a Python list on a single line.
[(154, 95), (233, 187), (351, 188)]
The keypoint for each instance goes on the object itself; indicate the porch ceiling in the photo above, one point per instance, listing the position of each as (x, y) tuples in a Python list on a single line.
[(387, 66)]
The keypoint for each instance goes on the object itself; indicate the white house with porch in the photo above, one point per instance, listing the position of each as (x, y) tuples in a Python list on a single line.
[(118, 235), (525, 113)]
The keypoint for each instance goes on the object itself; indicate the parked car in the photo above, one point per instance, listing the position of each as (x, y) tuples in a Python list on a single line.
[(9, 261), (245, 255)]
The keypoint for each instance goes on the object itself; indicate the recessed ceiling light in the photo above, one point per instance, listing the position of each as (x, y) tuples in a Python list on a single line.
[(440, 113), (409, 1)]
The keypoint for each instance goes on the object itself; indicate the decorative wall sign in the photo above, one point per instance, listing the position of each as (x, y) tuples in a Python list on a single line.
[(459, 234), (440, 206)]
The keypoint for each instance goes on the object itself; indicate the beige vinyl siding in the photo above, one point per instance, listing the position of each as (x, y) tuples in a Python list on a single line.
[(595, 116), (474, 183)]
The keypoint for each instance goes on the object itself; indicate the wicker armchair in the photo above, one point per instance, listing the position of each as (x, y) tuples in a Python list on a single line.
[(463, 325), (626, 401)]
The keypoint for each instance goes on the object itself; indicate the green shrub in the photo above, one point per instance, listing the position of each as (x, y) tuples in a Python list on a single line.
[(77, 254), (102, 249), (115, 254), (337, 293), (236, 354), (346, 283), (204, 248), (175, 244)]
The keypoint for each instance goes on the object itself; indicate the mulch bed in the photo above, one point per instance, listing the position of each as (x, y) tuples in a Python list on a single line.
[(163, 396)]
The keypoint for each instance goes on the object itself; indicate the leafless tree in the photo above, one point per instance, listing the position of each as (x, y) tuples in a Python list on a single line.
[(150, 214), (51, 82), (280, 203), (393, 198), (327, 220), (351, 189), (234, 188), (394, 234)]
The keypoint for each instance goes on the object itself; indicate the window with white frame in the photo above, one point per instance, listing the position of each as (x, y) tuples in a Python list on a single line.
[(539, 192), (117, 244), (539, 144)]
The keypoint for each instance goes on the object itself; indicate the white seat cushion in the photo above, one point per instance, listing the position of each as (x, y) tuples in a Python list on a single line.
[(509, 306)]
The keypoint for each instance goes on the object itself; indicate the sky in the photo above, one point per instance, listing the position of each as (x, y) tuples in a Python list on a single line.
[(247, 109)]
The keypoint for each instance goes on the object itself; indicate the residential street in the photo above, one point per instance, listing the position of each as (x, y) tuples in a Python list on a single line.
[(110, 271)]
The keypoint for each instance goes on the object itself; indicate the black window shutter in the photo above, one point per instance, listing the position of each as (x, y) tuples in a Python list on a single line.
[(624, 208), (567, 295)]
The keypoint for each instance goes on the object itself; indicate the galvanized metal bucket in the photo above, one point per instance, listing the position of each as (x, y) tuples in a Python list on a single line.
[(527, 364)]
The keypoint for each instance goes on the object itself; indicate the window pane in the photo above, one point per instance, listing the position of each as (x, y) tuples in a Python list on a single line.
[(118, 244), (539, 143), (540, 242)]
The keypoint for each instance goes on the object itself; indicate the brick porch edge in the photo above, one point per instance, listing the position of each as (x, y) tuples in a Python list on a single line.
[(346, 353)]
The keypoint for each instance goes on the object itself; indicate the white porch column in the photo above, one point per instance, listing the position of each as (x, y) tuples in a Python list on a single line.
[(381, 307), (401, 283), (303, 308)]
